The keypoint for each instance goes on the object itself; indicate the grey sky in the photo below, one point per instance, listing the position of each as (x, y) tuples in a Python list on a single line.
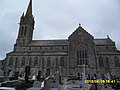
[(57, 19)]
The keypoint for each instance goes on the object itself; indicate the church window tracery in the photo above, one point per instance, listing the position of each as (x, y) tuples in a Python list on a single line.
[(56, 60), (48, 61), (30, 61), (43, 62), (82, 56), (62, 61), (22, 31), (16, 62), (35, 61), (10, 61), (25, 31), (23, 61), (100, 59), (117, 61), (107, 62)]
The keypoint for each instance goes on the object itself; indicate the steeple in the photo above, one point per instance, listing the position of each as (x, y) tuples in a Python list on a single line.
[(29, 9), (26, 27)]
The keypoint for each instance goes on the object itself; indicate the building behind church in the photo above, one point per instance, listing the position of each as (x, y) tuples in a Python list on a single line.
[(64, 55)]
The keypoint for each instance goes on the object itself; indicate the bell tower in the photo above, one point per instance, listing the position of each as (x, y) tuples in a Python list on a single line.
[(26, 27)]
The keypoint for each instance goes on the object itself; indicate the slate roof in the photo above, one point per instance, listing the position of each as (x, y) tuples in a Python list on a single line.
[(80, 29), (104, 41), (49, 42)]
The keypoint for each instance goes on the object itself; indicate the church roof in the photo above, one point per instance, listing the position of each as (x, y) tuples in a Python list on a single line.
[(79, 30), (104, 41), (49, 42)]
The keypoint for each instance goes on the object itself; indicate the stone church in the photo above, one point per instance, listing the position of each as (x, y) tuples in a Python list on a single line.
[(66, 56)]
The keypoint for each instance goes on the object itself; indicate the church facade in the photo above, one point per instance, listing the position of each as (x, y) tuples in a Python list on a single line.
[(64, 55)]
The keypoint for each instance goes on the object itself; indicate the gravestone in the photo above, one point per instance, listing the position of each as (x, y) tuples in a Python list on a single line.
[(27, 73), (16, 74), (39, 75), (11, 74)]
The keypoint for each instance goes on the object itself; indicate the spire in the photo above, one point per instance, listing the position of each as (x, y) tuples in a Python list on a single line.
[(29, 9)]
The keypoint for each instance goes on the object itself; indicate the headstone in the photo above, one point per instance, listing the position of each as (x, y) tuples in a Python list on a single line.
[(33, 77), (27, 72), (39, 75), (95, 78), (10, 73), (16, 75), (57, 78), (60, 78), (78, 75), (108, 75)]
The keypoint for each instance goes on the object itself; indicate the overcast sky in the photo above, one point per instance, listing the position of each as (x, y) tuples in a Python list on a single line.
[(57, 19)]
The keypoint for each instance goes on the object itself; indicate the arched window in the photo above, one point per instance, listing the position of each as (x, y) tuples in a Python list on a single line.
[(117, 61), (51, 47), (22, 31), (62, 61), (56, 62), (25, 31), (35, 61), (23, 61), (30, 61), (107, 62), (43, 63), (16, 62), (63, 47), (48, 61), (10, 61), (100, 60), (82, 56)]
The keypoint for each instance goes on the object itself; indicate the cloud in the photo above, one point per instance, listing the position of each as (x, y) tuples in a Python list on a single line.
[(8, 32)]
